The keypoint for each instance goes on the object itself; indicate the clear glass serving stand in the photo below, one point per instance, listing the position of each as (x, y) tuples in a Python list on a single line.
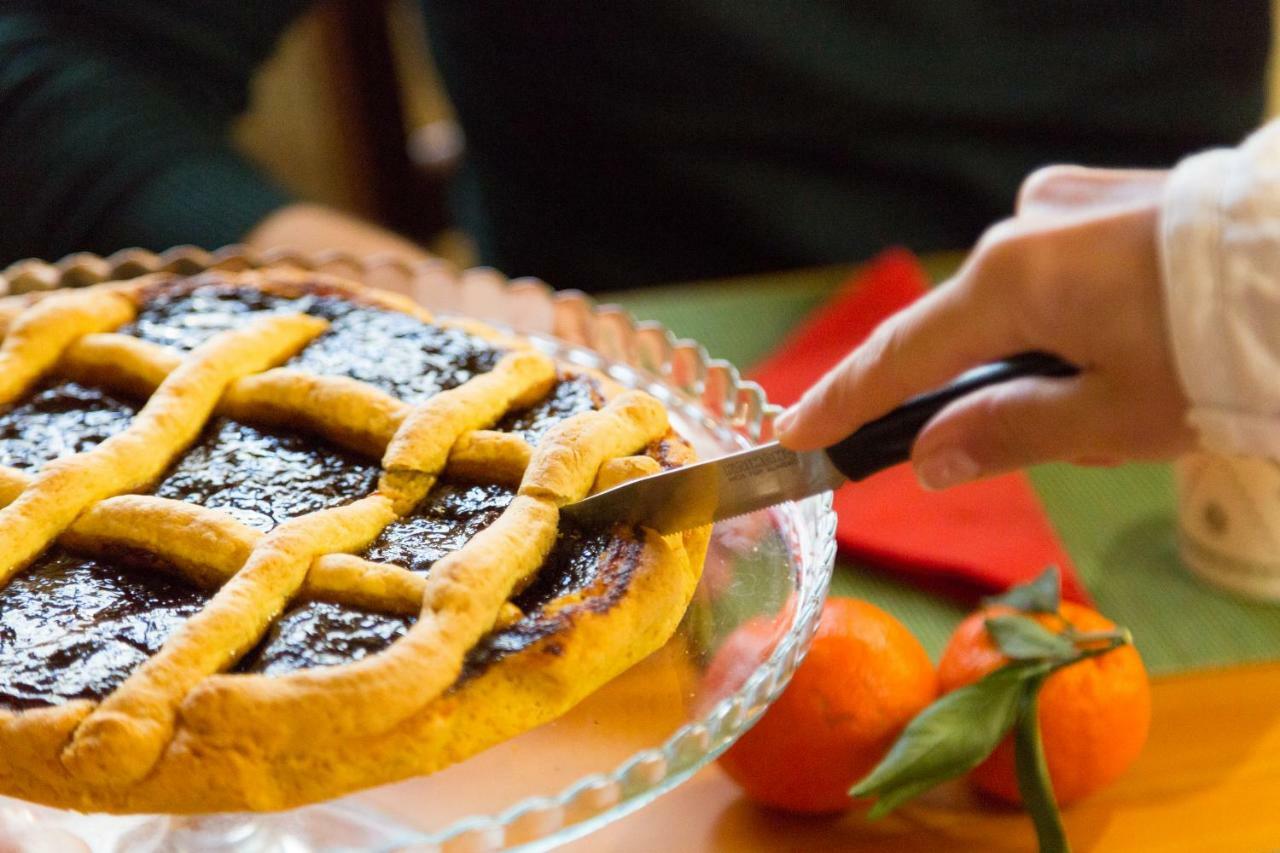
[(634, 739)]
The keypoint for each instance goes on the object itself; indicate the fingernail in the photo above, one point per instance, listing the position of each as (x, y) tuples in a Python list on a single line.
[(946, 467), (784, 421)]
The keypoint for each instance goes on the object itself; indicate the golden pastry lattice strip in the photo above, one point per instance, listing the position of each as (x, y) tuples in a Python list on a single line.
[(418, 452), (124, 737), (171, 419), (37, 337), (584, 441), (353, 414), (208, 547), (465, 590)]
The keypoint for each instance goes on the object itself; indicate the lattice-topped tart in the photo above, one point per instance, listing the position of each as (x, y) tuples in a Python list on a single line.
[(269, 537)]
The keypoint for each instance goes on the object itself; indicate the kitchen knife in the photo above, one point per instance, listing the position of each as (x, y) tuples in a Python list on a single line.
[(703, 492)]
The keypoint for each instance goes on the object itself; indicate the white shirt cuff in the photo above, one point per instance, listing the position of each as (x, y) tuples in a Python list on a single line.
[(1220, 257)]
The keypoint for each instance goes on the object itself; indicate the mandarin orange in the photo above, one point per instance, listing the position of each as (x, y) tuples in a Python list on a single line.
[(1094, 715), (863, 680)]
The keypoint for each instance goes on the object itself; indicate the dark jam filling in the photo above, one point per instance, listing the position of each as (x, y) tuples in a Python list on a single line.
[(185, 319), (60, 418), (394, 352), (389, 350), (567, 398), (321, 634), (74, 628), (263, 478), (444, 522), (318, 634), (579, 560), (573, 564), (441, 524)]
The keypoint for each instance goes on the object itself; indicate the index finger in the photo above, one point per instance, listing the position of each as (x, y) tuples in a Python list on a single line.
[(961, 323)]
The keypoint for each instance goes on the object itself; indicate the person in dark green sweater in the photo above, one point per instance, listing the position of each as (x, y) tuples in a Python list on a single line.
[(621, 144)]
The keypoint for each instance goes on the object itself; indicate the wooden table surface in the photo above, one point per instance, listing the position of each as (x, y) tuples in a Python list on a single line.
[(1209, 779)]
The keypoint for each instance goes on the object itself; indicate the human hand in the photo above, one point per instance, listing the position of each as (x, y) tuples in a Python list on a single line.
[(1076, 273)]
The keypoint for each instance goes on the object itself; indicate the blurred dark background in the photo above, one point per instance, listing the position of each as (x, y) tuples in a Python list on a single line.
[(599, 146), (351, 112)]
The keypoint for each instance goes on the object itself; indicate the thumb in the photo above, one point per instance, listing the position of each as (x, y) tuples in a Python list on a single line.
[(1011, 426)]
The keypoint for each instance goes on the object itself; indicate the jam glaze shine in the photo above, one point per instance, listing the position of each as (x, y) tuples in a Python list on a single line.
[(74, 627)]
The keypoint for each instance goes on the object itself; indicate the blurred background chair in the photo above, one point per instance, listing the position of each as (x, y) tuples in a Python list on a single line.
[(349, 113)]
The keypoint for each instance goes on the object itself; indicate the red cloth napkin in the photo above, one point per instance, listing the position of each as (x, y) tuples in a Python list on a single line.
[(989, 534)]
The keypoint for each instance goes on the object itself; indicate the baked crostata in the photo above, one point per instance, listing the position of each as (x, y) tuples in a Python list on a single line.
[(269, 537)]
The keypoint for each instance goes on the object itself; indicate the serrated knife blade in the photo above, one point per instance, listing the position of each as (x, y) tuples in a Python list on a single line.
[(705, 492), (770, 474)]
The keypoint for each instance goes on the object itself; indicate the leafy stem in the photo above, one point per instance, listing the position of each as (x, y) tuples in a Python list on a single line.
[(1042, 595), (1116, 637), (1033, 773), (962, 728)]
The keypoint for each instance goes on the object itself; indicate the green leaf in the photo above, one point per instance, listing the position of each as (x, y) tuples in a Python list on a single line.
[(1033, 773), (1042, 595), (949, 738), (1022, 638)]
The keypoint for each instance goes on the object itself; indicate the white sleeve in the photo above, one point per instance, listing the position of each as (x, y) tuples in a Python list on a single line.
[(1220, 254)]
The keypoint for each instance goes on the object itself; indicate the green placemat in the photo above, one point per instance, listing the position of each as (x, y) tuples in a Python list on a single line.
[(1117, 523)]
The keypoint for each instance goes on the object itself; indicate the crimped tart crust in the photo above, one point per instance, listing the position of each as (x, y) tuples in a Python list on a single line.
[(270, 537)]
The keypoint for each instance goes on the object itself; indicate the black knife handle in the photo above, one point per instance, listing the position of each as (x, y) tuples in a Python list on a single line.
[(887, 440)]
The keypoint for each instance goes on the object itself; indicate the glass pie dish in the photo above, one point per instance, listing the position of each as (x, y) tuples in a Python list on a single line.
[(634, 739)]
